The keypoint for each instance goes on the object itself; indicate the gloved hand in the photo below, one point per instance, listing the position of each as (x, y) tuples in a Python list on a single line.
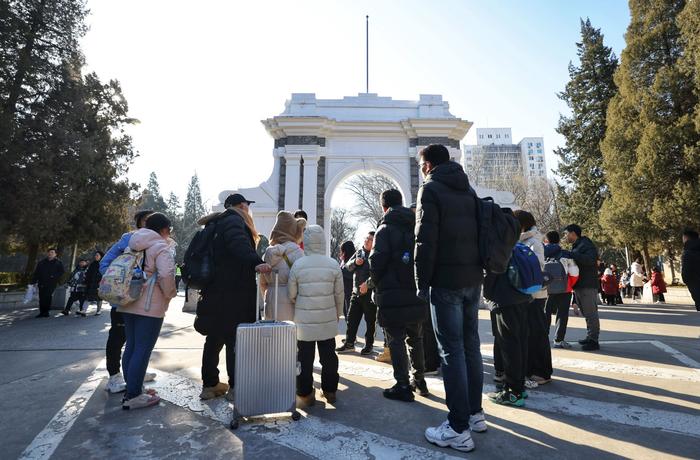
[(423, 295)]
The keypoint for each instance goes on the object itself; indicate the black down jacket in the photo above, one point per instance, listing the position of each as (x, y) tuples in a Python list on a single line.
[(230, 299), (391, 269), (690, 263), (447, 251), (585, 254)]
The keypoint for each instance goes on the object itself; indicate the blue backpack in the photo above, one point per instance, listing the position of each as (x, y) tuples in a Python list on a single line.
[(524, 270)]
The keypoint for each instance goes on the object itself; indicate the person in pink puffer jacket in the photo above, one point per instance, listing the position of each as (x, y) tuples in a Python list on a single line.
[(144, 317)]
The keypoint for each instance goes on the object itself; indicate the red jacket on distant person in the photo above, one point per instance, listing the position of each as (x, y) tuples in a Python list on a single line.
[(658, 285), (609, 284)]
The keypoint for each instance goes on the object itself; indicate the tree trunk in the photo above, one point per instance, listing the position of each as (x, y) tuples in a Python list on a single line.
[(672, 260), (32, 253), (647, 258)]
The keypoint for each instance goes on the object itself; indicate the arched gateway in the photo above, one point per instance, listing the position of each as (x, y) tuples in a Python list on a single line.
[(320, 142)]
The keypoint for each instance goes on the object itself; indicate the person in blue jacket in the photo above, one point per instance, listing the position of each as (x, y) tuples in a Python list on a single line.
[(117, 336)]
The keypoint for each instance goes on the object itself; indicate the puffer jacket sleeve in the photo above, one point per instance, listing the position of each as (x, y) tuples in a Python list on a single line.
[(165, 264), (293, 284), (380, 255), (339, 292), (427, 232), (237, 241), (114, 251)]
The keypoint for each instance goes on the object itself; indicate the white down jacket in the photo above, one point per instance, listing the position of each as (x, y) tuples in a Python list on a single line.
[(274, 255), (316, 289)]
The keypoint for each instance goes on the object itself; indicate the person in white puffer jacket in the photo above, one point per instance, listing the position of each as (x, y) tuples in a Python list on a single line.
[(283, 251), (316, 289), (539, 355)]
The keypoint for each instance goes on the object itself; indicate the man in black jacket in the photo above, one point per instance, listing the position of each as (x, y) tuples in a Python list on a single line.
[(46, 276), (361, 300), (401, 313), (690, 264), (585, 255), (229, 299), (448, 272)]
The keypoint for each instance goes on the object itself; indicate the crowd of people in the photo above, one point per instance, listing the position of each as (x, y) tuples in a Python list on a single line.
[(419, 275)]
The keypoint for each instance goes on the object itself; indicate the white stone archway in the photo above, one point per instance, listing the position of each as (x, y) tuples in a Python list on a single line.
[(320, 142)]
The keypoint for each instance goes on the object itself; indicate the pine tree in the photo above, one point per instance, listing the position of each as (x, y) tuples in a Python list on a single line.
[(194, 210), (151, 197), (649, 131), (174, 213), (587, 94)]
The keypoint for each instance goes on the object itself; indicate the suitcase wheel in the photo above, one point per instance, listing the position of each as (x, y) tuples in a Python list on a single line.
[(234, 424), (295, 416)]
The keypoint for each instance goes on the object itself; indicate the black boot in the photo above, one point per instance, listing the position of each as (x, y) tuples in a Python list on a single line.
[(399, 393), (420, 387)]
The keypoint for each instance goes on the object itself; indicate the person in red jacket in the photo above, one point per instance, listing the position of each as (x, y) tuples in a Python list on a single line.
[(608, 283), (658, 285)]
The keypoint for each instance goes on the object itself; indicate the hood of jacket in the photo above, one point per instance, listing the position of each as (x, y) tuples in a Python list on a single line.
[(400, 216), (532, 233), (274, 254), (209, 217), (145, 238), (450, 174), (552, 251), (314, 240)]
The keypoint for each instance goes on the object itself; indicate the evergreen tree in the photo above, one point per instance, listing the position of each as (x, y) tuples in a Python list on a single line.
[(650, 130), (175, 214), (587, 94), (151, 197), (194, 210)]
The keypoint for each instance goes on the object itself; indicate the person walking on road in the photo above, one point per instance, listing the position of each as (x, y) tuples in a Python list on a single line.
[(449, 275), (585, 254), (47, 274), (637, 279), (401, 312), (316, 292), (361, 300), (658, 285), (92, 278), (116, 337), (609, 284), (690, 264), (78, 285), (144, 317), (230, 298)]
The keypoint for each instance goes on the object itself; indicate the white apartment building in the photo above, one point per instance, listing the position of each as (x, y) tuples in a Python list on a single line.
[(496, 156)]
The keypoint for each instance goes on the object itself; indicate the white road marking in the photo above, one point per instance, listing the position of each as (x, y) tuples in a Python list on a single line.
[(685, 359), (46, 442), (311, 435)]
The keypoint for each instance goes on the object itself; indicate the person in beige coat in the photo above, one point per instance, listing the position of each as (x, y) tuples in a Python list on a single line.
[(283, 251), (317, 294), (143, 318)]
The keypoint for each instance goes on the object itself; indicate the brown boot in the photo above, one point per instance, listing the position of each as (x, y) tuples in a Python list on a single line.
[(306, 401), (330, 397), (384, 356), (217, 390)]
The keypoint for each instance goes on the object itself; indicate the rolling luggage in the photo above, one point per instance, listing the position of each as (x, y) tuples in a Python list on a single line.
[(266, 366)]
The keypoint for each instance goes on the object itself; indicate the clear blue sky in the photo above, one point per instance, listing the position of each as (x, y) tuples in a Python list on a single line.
[(201, 75)]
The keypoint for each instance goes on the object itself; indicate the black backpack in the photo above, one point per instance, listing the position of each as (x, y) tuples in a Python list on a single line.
[(198, 268), (498, 230)]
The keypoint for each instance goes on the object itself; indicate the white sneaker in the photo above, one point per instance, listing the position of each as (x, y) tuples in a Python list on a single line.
[(142, 400), (149, 377), (445, 436), (563, 344), (477, 422), (530, 384), (116, 384)]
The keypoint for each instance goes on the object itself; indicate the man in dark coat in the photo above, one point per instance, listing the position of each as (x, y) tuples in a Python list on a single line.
[(229, 299), (585, 254), (47, 274), (448, 263), (401, 312), (690, 264)]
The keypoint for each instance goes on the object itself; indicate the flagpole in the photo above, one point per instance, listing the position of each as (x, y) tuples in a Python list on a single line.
[(367, 53)]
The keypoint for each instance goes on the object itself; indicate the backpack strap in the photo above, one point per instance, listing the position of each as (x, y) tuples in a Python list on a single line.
[(286, 259)]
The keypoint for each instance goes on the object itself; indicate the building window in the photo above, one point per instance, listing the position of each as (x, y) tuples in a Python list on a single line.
[(531, 158), (532, 173), (481, 136), (529, 151), (540, 166), (506, 136), (498, 136), (539, 150), (490, 136), (539, 144), (532, 166), (529, 144)]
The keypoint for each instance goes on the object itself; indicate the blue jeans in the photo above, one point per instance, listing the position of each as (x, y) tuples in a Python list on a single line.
[(455, 314), (141, 335)]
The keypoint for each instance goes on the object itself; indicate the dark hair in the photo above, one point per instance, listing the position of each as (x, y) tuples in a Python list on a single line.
[(391, 198), (691, 234), (573, 228), (436, 154), (553, 237), (52, 249), (301, 213), (348, 249), (371, 233), (141, 214), (101, 253), (527, 220), (157, 222), (656, 269)]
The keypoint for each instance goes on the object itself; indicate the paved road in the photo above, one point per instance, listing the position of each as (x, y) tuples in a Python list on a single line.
[(639, 397)]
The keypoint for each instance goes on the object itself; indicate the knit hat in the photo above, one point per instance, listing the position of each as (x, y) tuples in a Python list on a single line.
[(287, 228)]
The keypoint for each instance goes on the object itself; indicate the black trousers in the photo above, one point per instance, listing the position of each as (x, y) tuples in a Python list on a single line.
[(510, 346), (398, 337), (306, 353), (431, 351), (210, 359), (45, 295), (659, 297), (361, 305), (610, 299), (539, 353), (558, 304), (115, 342), (497, 354), (695, 294), (75, 296)]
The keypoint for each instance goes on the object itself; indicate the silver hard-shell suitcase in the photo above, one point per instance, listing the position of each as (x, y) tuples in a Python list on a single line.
[(266, 366)]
